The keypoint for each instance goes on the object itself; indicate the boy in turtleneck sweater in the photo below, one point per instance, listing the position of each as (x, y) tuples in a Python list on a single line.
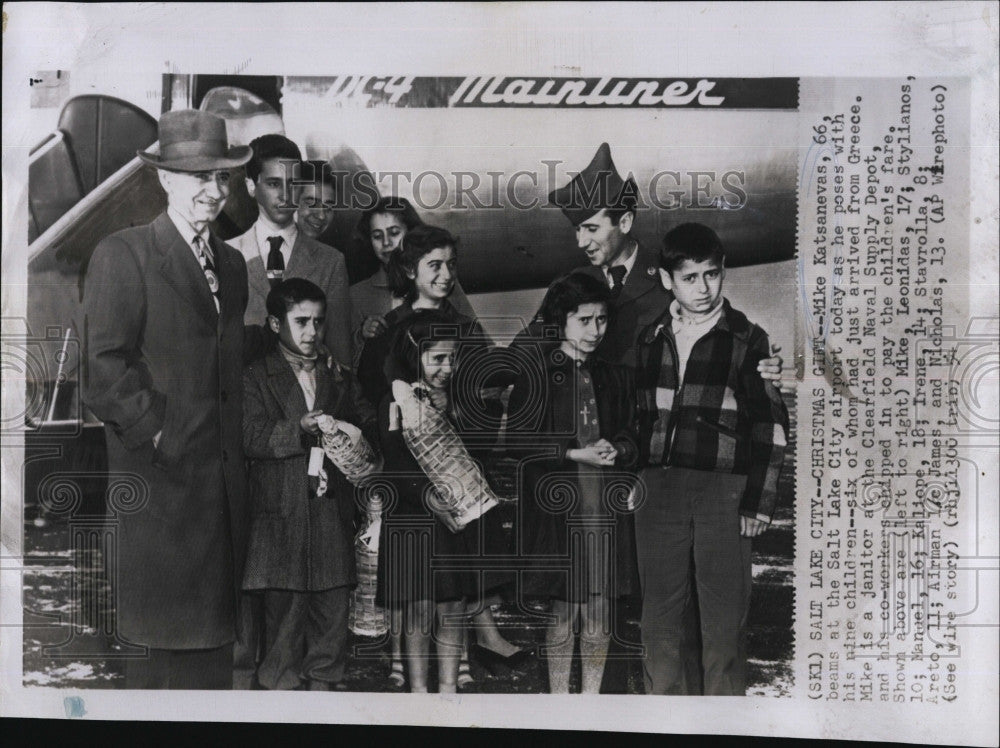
[(301, 549), (712, 439)]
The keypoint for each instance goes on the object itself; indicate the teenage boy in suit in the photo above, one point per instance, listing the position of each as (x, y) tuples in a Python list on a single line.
[(275, 248)]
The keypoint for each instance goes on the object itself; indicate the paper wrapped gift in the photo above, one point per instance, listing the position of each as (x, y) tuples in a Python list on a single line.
[(347, 449), (460, 489), (365, 617)]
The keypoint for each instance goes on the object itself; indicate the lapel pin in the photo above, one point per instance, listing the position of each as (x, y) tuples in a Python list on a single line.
[(650, 271)]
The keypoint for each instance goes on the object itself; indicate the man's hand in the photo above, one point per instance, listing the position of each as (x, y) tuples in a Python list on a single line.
[(373, 326), (309, 422), (751, 527), (770, 368)]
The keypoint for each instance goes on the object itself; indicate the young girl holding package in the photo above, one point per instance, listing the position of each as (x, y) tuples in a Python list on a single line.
[(416, 531)]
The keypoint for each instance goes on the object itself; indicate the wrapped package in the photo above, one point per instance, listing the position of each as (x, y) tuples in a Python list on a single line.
[(460, 489), (365, 617), (347, 449)]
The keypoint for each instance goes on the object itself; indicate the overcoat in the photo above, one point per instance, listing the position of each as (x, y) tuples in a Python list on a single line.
[(542, 423), (160, 358), (298, 541), (316, 262)]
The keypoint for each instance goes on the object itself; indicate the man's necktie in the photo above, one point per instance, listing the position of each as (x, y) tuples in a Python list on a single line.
[(205, 255), (275, 262), (617, 280)]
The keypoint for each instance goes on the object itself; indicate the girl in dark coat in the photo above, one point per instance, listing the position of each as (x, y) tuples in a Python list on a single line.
[(427, 563), (423, 273), (573, 430)]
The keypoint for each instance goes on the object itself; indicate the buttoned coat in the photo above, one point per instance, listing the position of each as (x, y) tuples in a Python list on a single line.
[(159, 358), (541, 428), (298, 541), (316, 262)]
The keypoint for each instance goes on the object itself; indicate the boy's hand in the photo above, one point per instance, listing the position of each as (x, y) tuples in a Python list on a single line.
[(310, 423), (373, 326), (751, 527)]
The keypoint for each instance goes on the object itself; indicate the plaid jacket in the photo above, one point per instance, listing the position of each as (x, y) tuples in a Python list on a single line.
[(724, 417)]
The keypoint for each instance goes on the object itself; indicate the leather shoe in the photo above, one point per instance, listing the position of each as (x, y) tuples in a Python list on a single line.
[(496, 663)]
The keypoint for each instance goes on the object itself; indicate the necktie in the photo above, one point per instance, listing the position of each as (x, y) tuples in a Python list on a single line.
[(305, 372), (617, 280), (205, 255), (275, 262)]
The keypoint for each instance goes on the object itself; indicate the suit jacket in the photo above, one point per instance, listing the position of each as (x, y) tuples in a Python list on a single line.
[(315, 262), (298, 541), (642, 300), (160, 358)]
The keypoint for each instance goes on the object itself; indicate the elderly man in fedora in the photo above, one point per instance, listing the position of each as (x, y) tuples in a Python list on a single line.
[(163, 329)]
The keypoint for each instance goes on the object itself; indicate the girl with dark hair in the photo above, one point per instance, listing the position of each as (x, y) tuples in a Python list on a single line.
[(573, 430), (424, 354), (422, 274), (383, 227)]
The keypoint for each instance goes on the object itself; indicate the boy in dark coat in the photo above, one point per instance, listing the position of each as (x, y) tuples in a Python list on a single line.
[(301, 551)]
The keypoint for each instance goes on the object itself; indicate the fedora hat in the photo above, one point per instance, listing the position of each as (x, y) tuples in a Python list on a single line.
[(597, 187), (194, 141)]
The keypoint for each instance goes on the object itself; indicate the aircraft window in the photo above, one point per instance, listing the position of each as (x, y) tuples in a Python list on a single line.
[(97, 136), (263, 88), (54, 186), (104, 134)]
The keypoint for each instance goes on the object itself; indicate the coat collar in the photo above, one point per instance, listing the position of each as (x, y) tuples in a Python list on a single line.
[(183, 272), (640, 280), (731, 320), (643, 278), (304, 257), (285, 385)]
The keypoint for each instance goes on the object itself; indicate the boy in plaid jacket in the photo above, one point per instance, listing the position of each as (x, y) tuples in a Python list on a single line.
[(712, 439)]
